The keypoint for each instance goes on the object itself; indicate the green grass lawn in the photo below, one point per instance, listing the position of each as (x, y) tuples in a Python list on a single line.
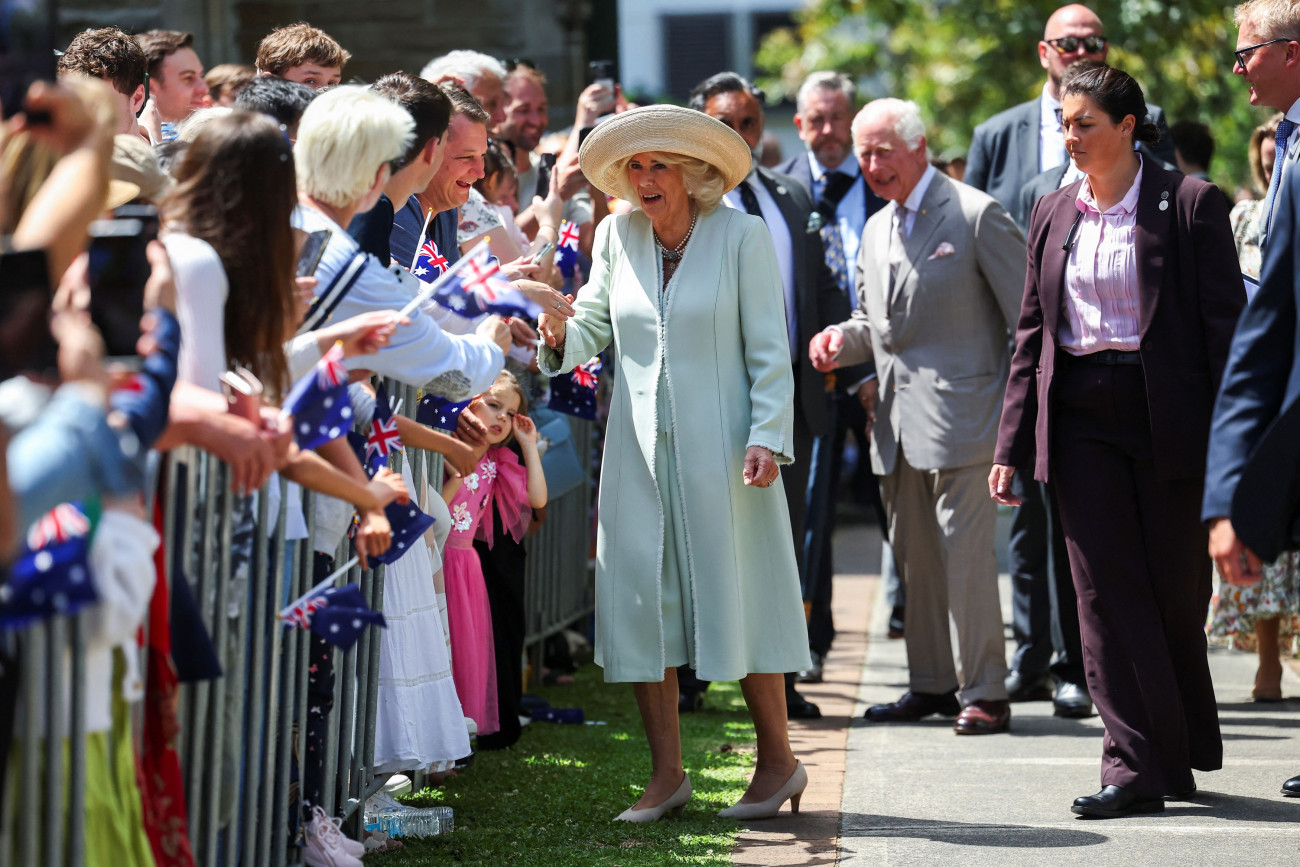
[(551, 798)]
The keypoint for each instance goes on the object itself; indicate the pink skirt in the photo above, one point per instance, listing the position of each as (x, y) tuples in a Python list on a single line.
[(473, 658)]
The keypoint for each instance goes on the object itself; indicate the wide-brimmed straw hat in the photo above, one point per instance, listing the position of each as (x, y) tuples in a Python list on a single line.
[(664, 128)]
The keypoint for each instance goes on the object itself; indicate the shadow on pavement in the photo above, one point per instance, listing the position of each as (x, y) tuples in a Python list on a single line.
[(963, 833)]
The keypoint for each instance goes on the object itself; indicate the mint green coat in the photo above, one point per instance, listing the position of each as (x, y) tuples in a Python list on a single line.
[(702, 372)]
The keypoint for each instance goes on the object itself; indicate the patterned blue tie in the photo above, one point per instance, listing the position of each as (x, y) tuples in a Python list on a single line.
[(1284, 130), (836, 186)]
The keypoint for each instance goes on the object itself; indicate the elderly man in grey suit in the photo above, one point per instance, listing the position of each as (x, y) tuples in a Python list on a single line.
[(939, 279)]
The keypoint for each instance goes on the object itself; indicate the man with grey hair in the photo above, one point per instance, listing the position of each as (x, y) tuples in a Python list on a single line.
[(939, 278), (481, 74), (1268, 58)]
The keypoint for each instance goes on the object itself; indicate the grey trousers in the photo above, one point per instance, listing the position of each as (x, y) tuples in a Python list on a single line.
[(941, 524)]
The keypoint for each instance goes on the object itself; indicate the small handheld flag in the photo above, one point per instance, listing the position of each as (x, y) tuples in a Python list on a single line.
[(52, 572), (319, 402), (439, 412), (336, 614), (383, 438), (430, 264), (480, 287), (566, 254), (574, 393)]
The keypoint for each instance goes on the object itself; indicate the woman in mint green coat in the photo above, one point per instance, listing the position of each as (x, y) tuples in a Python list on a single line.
[(695, 560)]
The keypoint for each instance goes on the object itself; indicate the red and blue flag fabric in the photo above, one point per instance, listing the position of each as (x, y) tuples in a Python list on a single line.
[(408, 524), (383, 438), (429, 262), (566, 248), (440, 412), (574, 393), (479, 286), (319, 402), (52, 572), (337, 614)]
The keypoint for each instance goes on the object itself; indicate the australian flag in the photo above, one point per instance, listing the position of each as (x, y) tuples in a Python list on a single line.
[(479, 287), (319, 402), (574, 393), (439, 412), (566, 248), (429, 262), (408, 524), (336, 614), (383, 438), (52, 573)]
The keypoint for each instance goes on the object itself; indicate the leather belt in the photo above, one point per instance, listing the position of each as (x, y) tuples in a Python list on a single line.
[(1110, 357)]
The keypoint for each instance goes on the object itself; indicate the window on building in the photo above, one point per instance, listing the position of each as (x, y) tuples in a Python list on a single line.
[(695, 47)]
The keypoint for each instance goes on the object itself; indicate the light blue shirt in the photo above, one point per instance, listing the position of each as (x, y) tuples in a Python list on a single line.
[(419, 354), (851, 214)]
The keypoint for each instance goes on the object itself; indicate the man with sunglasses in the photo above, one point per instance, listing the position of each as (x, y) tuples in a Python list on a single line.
[(1267, 56), (1007, 152)]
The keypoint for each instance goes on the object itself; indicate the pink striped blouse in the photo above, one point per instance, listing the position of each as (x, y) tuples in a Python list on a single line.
[(1101, 287)]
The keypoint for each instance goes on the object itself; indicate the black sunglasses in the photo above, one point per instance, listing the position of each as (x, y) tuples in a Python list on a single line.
[(1070, 44), (1243, 54)]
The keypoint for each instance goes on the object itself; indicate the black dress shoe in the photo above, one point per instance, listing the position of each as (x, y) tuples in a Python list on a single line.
[(1071, 701), (1113, 802), (812, 674), (1184, 795), (1022, 687), (896, 619), (689, 701), (1291, 788), (914, 706), (802, 709)]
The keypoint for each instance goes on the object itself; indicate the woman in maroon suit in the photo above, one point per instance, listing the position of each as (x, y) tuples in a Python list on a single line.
[(1130, 301)]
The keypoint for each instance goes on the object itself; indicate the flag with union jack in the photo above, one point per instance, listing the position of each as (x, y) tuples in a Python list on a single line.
[(336, 614), (439, 412), (574, 393), (429, 262), (319, 402), (52, 573), (566, 248), (383, 438), (478, 287)]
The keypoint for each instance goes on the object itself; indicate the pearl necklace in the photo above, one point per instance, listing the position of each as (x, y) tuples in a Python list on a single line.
[(675, 253)]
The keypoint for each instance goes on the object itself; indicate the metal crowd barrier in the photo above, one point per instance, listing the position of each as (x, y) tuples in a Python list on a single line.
[(239, 734)]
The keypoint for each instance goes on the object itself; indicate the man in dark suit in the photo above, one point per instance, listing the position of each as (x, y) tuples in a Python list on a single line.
[(1009, 151), (1260, 383), (830, 173), (813, 299)]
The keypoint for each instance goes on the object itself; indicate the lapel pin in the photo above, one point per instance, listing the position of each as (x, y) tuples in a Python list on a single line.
[(1164, 205), (780, 190), (1164, 194)]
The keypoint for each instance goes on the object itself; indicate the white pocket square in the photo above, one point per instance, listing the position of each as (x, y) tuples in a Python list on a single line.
[(944, 249)]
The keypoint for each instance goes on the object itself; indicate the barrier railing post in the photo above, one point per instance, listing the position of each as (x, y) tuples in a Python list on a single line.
[(257, 742), (274, 810), (54, 733), (77, 746)]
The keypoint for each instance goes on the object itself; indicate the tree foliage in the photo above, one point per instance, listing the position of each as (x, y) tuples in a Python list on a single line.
[(963, 61)]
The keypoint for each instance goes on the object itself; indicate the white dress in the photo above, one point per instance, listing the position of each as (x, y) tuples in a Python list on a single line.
[(420, 725)]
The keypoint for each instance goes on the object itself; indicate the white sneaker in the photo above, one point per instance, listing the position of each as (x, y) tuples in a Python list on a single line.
[(381, 801), (326, 845), (398, 784)]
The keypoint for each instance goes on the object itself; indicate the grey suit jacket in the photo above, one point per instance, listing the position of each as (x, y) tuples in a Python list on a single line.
[(818, 299), (1004, 151), (940, 338)]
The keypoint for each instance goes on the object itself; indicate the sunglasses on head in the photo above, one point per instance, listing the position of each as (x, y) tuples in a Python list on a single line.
[(1070, 44)]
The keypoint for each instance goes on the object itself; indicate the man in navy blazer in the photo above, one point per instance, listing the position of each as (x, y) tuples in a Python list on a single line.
[(1260, 383)]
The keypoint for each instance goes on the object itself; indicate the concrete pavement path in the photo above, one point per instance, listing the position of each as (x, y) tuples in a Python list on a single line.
[(919, 794)]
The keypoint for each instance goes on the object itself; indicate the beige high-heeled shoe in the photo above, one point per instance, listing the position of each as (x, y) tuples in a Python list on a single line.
[(792, 791), (676, 801)]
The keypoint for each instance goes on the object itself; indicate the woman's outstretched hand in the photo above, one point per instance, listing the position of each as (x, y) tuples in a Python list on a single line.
[(760, 467), (1000, 485), (551, 325)]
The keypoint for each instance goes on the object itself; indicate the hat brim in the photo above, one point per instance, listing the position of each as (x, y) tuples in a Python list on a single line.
[(666, 129)]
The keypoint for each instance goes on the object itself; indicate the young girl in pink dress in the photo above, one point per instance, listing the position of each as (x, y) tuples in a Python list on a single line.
[(498, 481)]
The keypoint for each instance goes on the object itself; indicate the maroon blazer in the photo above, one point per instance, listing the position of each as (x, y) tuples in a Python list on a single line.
[(1190, 292)]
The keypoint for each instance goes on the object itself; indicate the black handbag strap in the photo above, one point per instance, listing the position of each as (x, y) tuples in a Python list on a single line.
[(323, 307)]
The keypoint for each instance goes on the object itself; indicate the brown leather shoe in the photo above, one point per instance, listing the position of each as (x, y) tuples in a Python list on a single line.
[(984, 718)]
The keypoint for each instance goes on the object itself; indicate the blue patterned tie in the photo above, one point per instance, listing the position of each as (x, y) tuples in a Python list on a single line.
[(1284, 130), (836, 186)]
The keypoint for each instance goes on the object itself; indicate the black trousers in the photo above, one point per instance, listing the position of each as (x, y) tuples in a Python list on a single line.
[(1044, 609), (1138, 554), (503, 574)]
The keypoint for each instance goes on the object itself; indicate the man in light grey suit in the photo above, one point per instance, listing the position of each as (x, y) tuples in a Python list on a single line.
[(939, 279)]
